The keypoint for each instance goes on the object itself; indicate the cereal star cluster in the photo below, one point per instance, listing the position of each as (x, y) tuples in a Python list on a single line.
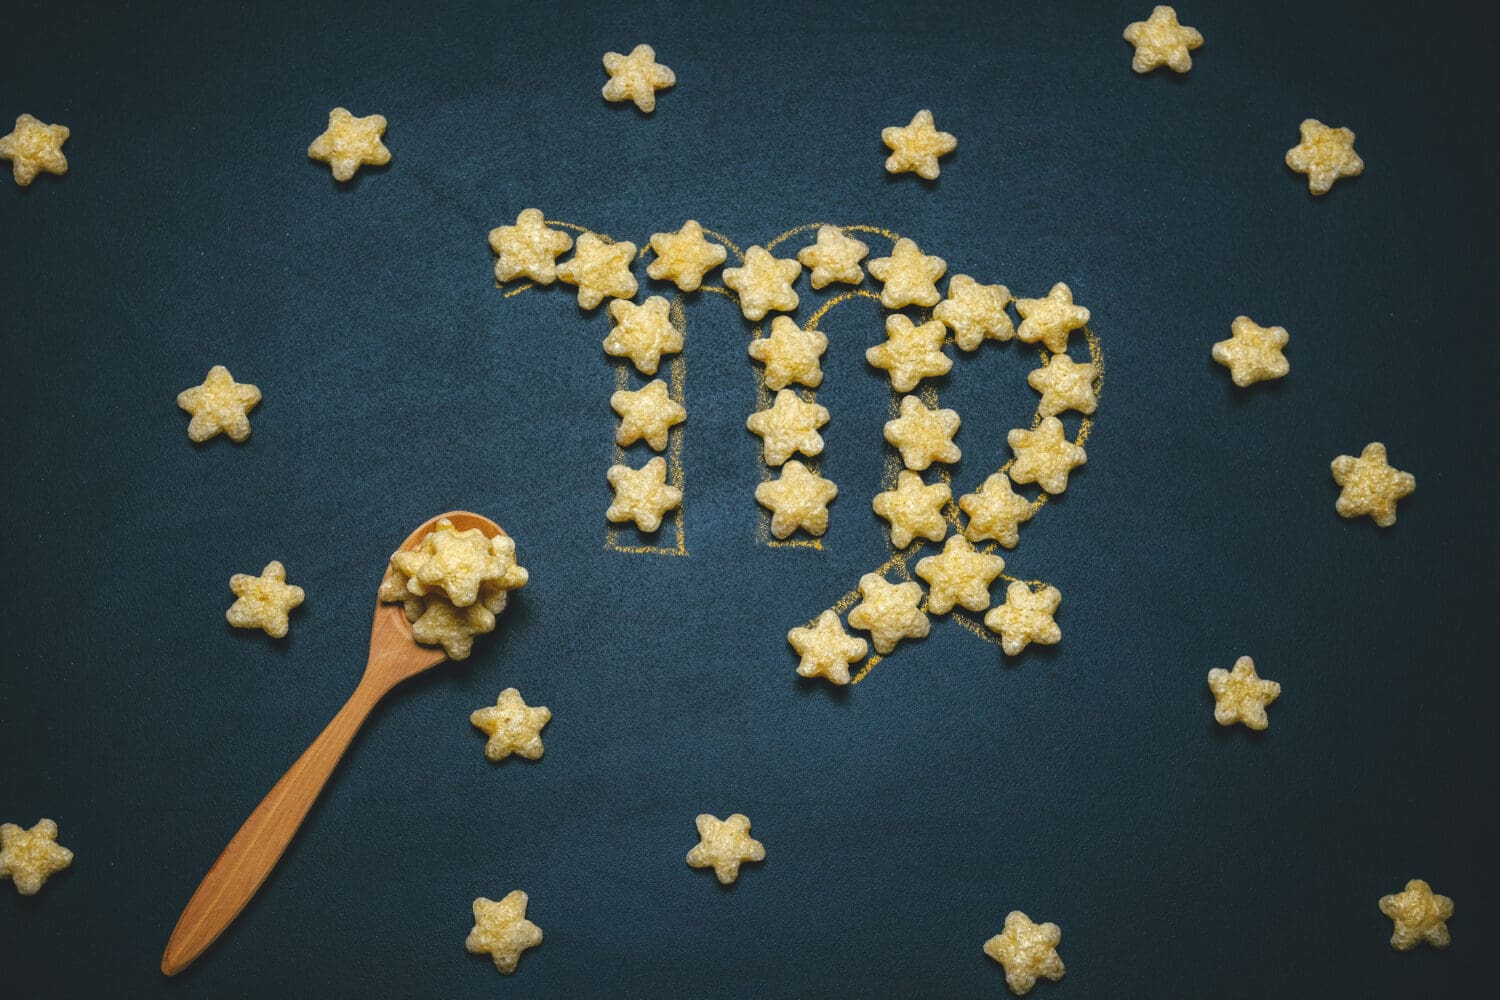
[(916, 146), (975, 312), (789, 426), (996, 511), (834, 257), (453, 584), (600, 270), (642, 333), (1240, 695), (910, 352), (889, 611), (1051, 319), (30, 857), (1253, 352), (684, 257), (529, 249), (1325, 155), (1044, 456), (1370, 485), (922, 435), (502, 931), (1417, 914), (826, 649), (647, 414), (263, 601), (1027, 951), (1161, 41), (636, 77), (960, 575), (798, 499), (34, 147), (724, 845), (763, 283), (220, 405), (642, 495), (1025, 617), (914, 508), (908, 276), (350, 143), (790, 354), (513, 727)]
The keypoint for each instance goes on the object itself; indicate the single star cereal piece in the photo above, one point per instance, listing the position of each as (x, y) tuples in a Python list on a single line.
[(917, 146), (458, 563), (350, 143), (996, 512), (1324, 155), (799, 499), (1044, 456), (636, 77), (442, 623), (834, 257), (642, 333), (1253, 352), (494, 593), (910, 353), (684, 257), (1027, 951), (889, 611), (1025, 617), (1065, 384), (923, 436), (789, 426), (826, 649), (528, 249), (394, 590), (1240, 695), (724, 845), (1370, 485), (600, 269), (263, 601), (647, 413), (959, 576), (764, 283), (502, 930), (975, 312), (30, 857), (1161, 41), (908, 276), (914, 509), (1050, 320), (790, 354), (642, 495), (1418, 914), (512, 726), (219, 405), (34, 146)]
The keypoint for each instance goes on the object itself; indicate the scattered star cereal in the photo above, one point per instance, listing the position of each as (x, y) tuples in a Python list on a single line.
[(1370, 485), (442, 623), (826, 649), (1065, 384), (1161, 41), (975, 312), (908, 276), (764, 283), (684, 257), (1050, 320), (1027, 951), (789, 426), (513, 727), (1240, 695), (798, 499), (996, 511), (724, 845), (923, 436), (263, 601), (30, 857), (502, 930), (528, 249), (636, 77), (1324, 155), (889, 611), (642, 495), (1044, 456), (642, 333), (1025, 617), (33, 147), (910, 353), (1418, 914), (915, 509), (790, 354), (834, 257), (460, 563), (959, 576), (350, 143), (600, 269), (219, 405), (646, 414), (915, 147), (1253, 352)]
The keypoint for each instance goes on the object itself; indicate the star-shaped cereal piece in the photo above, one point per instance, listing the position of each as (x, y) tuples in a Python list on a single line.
[(996, 512), (528, 249), (34, 146), (790, 354), (502, 930), (512, 726), (642, 333), (959, 576), (1324, 155), (600, 269), (1161, 41), (910, 352), (724, 845), (764, 283), (442, 623), (647, 413), (1051, 319), (1240, 695), (1418, 914), (975, 312), (350, 143), (684, 257), (394, 590), (1025, 617), (914, 509), (834, 257), (456, 562), (923, 436), (1370, 485), (1044, 456), (1253, 352), (908, 276), (916, 147), (789, 426), (889, 611), (1065, 384), (636, 77), (798, 499), (263, 601), (494, 593), (1027, 951), (219, 405), (642, 495), (826, 649), (30, 857)]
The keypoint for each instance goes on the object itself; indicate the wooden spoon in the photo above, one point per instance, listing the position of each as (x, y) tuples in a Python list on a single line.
[(254, 851)]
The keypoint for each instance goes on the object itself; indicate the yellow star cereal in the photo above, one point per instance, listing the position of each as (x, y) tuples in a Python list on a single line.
[(914, 509), (33, 147), (647, 413), (636, 77), (1027, 951), (764, 283), (1065, 384), (30, 857), (790, 354), (889, 611), (350, 143), (600, 269), (1370, 485), (513, 727), (789, 426), (1051, 319), (959, 576), (975, 312), (1253, 352), (834, 257), (923, 436), (528, 249), (826, 649), (908, 276), (1417, 914), (799, 499), (1324, 155), (1025, 617), (684, 257), (502, 930), (460, 563), (916, 147), (642, 333), (642, 495), (219, 405), (910, 353), (394, 590), (1044, 456), (996, 511), (263, 601), (1161, 41), (724, 845), (442, 623), (1240, 695)]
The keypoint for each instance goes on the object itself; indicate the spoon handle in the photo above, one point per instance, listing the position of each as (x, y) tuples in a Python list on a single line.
[(258, 845)]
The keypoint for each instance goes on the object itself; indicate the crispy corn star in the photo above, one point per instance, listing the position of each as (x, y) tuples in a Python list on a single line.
[(442, 623), (915, 147), (826, 649), (263, 601), (959, 576), (1253, 352), (642, 333), (1240, 695), (513, 727), (458, 563), (1370, 485), (975, 312), (502, 930), (789, 426), (1025, 617), (889, 611), (350, 143), (923, 436), (636, 77), (1051, 319), (1044, 456), (910, 352), (996, 511), (764, 283), (684, 257), (394, 590), (1324, 155), (798, 499), (494, 592), (1027, 951), (30, 857), (1065, 384), (724, 845), (1418, 914), (600, 269), (1161, 41), (908, 276), (528, 249), (34, 146), (790, 354), (219, 405), (914, 509), (834, 257), (647, 413), (642, 495)]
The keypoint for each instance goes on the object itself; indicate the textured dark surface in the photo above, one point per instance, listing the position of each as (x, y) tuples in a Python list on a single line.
[(1085, 784)]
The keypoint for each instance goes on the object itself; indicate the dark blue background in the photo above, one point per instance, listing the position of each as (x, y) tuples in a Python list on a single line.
[(903, 818)]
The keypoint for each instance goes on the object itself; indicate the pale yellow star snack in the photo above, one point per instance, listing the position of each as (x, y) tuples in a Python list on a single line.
[(996, 511), (350, 143), (1025, 617), (642, 495), (502, 930), (1370, 485), (975, 312), (1027, 951), (798, 499), (393, 590), (923, 436), (513, 727), (724, 845), (636, 77), (263, 601), (789, 426), (600, 270), (908, 276), (1051, 319), (834, 257), (1417, 914), (1065, 384), (30, 857), (826, 649), (34, 146), (1240, 695), (764, 283), (915, 147), (646, 414), (1161, 41), (889, 611), (684, 257), (1044, 456), (528, 249), (914, 508), (462, 564), (1324, 155), (442, 623), (910, 352), (959, 576), (790, 354), (642, 333), (1253, 352), (219, 405)]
